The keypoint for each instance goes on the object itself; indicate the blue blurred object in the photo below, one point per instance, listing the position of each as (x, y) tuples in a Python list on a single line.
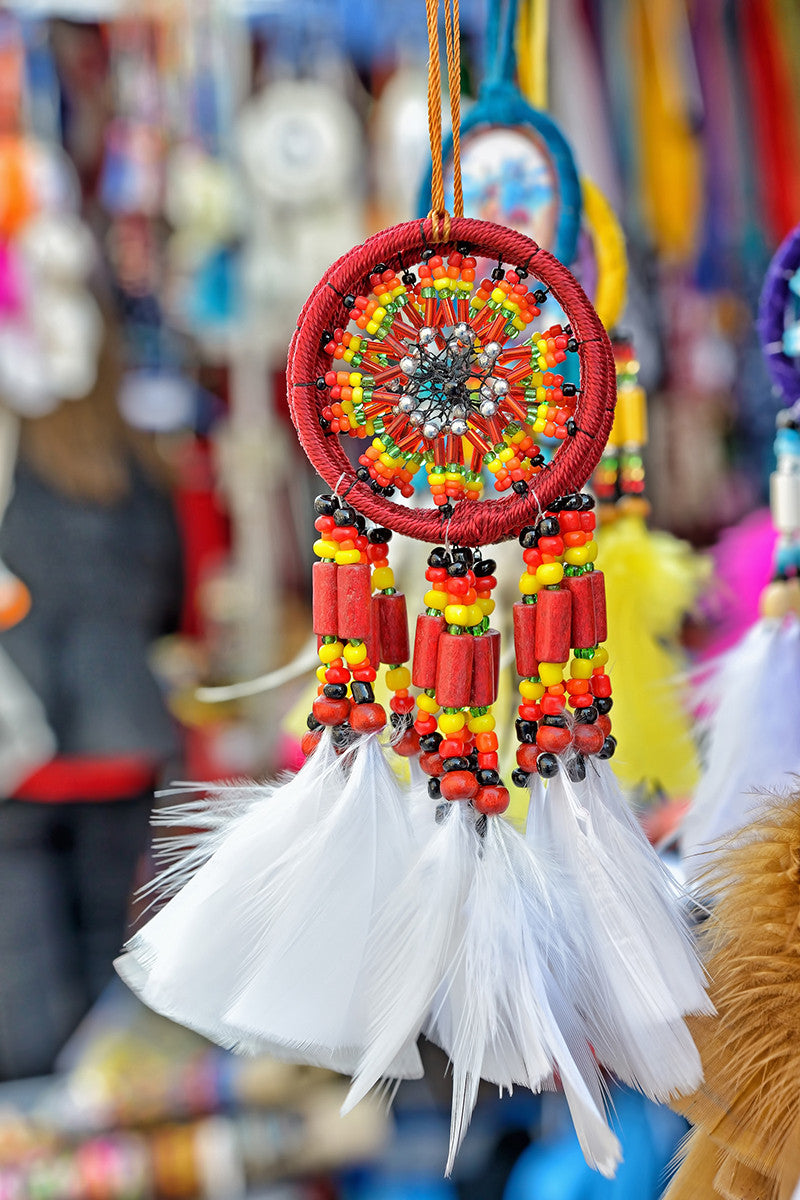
[(555, 1169)]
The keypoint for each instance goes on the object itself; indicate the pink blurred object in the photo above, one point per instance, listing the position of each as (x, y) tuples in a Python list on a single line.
[(288, 754), (742, 568), (11, 296)]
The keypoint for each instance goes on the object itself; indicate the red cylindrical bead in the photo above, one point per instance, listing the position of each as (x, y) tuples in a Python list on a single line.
[(393, 626), (323, 586), (599, 592), (426, 642), (485, 675), (454, 669), (525, 639), (494, 635), (583, 632), (374, 639), (553, 625), (354, 601)]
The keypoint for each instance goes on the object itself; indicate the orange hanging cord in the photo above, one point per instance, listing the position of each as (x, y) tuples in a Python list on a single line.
[(439, 216)]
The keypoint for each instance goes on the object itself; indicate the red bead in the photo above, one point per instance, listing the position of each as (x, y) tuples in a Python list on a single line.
[(408, 745), (431, 763), (426, 641), (331, 712), (323, 524), (393, 628), (584, 629), (552, 706), (458, 785), (354, 600), (451, 747), (366, 718), (454, 669), (364, 674), (337, 675), (325, 602), (551, 545), (436, 574), (401, 704), (601, 686), (588, 739), (552, 738), (553, 625), (525, 638), (458, 585), (425, 723), (486, 743), (378, 554), (581, 701), (604, 723), (310, 741), (527, 754), (529, 712), (491, 800), (488, 762)]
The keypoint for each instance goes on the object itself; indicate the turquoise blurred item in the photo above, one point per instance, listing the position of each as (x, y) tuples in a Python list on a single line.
[(555, 1169)]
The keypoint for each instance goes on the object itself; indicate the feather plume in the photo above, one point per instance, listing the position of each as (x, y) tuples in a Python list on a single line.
[(261, 947), (754, 735), (747, 1113), (634, 971)]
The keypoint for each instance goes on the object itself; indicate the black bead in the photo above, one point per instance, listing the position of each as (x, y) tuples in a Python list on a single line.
[(438, 557), (362, 473), (540, 295), (520, 778), (487, 777), (381, 267), (556, 505), (335, 691), (312, 722), (379, 536), (326, 505), (342, 735), (576, 768), (498, 273), (547, 765), (360, 523), (548, 527), (572, 344), (427, 254), (587, 501), (522, 272), (349, 300), (608, 747), (572, 427), (520, 487), (463, 249), (456, 764), (441, 810), (603, 704), (430, 743), (388, 491), (556, 720), (457, 568), (526, 731), (569, 389), (408, 278), (327, 334), (537, 460), (473, 761), (586, 716), (484, 567), (572, 503), (462, 552), (320, 384), (362, 692), (528, 537), (344, 515), (446, 511), (434, 789), (402, 720), (324, 425)]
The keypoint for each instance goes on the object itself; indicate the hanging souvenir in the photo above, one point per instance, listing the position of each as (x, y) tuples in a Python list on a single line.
[(754, 690), (335, 917), (779, 318), (517, 168)]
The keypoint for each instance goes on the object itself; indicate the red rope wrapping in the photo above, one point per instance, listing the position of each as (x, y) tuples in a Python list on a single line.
[(474, 522)]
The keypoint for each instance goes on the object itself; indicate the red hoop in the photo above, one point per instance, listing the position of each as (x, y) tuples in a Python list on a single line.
[(474, 522)]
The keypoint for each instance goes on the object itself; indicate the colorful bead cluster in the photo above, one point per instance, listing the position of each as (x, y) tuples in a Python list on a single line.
[(558, 628), (619, 478), (357, 630), (441, 373), (456, 664)]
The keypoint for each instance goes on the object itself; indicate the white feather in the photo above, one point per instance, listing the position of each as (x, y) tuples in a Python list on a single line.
[(635, 972), (753, 741)]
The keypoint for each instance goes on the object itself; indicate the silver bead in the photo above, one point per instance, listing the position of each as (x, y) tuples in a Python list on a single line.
[(488, 408), (458, 410), (431, 429), (499, 386), (408, 365), (407, 404), (426, 334), (458, 427), (492, 349), (416, 418)]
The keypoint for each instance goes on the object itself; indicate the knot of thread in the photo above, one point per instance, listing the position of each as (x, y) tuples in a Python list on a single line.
[(440, 225)]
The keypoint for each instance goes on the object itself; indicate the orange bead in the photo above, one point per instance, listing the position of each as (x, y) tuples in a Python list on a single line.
[(486, 742)]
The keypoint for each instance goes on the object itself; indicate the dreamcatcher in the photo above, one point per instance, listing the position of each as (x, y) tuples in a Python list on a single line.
[(334, 917)]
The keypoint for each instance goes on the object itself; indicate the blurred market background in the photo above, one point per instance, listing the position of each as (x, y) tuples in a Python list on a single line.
[(174, 177)]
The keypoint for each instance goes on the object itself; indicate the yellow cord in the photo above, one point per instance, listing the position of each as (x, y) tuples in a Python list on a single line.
[(610, 254), (532, 33)]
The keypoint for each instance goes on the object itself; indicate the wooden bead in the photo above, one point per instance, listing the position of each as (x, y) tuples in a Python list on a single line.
[(407, 746), (553, 738), (583, 633), (454, 670), (367, 718), (354, 601), (331, 712), (325, 608), (553, 625), (588, 739), (393, 628), (374, 640), (604, 723), (426, 644), (491, 800), (485, 672), (525, 639), (599, 592), (431, 763), (310, 741), (458, 785), (527, 754)]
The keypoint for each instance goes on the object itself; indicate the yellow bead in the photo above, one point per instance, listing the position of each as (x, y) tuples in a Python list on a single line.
[(348, 355), (379, 314), (505, 454), (591, 551), (427, 703), (551, 673), (530, 690), (486, 606), (550, 573), (355, 378), (484, 724), (581, 668), (321, 673), (347, 406), (324, 549), (399, 678), (474, 614), (529, 585), (344, 557), (437, 477), (600, 657), (378, 445), (372, 327), (451, 722), (328, 651), (576, 556), (382, 577), (456, 614), (358, 395), (538, 425), (498, 295), (495, 465), (355, 654), (385, 458), (518, 436), (436, 599)]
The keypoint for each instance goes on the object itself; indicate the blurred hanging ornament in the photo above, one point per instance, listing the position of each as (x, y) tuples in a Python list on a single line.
[(335, 917)]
